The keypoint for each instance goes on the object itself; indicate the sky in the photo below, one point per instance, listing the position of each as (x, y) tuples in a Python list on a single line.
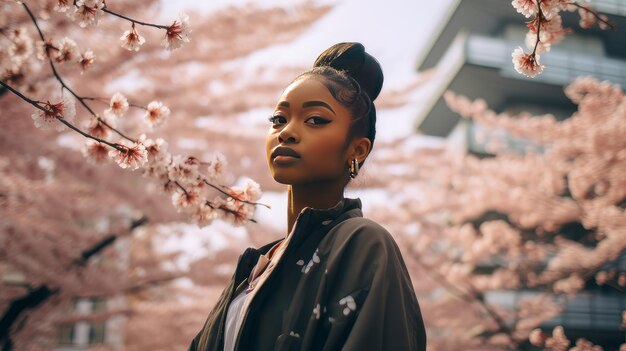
[(394, 31)]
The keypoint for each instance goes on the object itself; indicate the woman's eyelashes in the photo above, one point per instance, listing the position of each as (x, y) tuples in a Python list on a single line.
[(273, 119), (317, 120)]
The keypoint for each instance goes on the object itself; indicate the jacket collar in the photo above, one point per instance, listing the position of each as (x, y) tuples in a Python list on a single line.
[(310, 218), (322, 214)]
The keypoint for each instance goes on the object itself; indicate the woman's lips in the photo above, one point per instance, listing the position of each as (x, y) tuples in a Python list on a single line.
[(282, 159)]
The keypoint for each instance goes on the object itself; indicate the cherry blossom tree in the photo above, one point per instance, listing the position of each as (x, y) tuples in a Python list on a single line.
[(69, 218), (549, 221)]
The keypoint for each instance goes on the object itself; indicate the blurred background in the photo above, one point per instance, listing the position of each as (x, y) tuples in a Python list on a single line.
[(505, 227)]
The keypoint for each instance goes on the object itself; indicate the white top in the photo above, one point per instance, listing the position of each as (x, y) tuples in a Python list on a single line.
[(233, 319), (239, 305)]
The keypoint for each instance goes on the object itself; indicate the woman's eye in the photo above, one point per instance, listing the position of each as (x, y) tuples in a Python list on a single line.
[(274, 118), (319, 120)]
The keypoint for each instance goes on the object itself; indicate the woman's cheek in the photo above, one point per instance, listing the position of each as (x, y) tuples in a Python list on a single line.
[(328, 152)]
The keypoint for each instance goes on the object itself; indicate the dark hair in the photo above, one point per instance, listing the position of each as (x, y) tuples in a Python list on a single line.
[(354, 78)]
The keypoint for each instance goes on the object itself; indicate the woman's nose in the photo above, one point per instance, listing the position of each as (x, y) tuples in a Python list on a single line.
[(287, 134)]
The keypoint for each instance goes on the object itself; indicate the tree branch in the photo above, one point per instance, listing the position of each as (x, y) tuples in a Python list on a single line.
[(33, 299), (39, 295), (58, 77)]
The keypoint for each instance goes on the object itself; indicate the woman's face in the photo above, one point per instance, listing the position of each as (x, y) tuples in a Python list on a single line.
[(308, 120)]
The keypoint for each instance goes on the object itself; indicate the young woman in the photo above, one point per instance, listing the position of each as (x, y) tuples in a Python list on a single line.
[(337, 281)]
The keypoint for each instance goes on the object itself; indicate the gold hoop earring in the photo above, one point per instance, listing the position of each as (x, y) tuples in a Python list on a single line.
[(354, 168)]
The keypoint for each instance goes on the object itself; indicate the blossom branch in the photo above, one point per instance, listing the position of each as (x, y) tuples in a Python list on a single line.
[(106, 9), (105, 101), (540, 18), (61, 119), (470, 297), (233, 212), (546, 29), (181, 187), (439, 278), (231, 196), (144, 152), (494, 315), (595, 14), (39, 295), (58, 77)]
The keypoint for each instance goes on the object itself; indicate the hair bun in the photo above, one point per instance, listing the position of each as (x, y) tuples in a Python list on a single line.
[(352, 58)]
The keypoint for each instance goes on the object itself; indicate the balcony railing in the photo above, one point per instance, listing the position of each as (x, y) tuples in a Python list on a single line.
[(611, 7), (562, 66), (587, 311)]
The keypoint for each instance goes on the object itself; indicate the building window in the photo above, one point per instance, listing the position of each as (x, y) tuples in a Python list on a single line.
[(83, 333)]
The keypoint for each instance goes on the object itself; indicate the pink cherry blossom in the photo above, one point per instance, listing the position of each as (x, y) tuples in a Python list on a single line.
[(132, 157), (587, 19), (251, 190), (185, 200), (551, 8), (526, 64), (85, 60), (63, 5), (552, 32), (98, 129), (169, 187), (569, 285), (537, 337), (204, 215), (157, 149), (621, 279), (185, 170), (236, 212), (585, 345), (216, 165), (68, 51), (64, 109), (177, 33), (603, 22), (156, 113), (96, 152), (117, 106), (45, 49), (21, 47), (525, 7), (601, 278), (131, 40), (88, 12), (558, 341)]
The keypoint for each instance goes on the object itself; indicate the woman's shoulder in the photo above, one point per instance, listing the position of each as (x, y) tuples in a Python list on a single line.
[(362, 231)]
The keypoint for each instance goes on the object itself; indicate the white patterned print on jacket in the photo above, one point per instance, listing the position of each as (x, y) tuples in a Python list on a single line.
[(350, 304), (315, 259)]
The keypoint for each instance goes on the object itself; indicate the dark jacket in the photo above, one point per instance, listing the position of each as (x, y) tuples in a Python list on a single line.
[(341, 284)]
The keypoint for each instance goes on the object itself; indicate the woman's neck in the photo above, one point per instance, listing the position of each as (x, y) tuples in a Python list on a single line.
[(317, 196)]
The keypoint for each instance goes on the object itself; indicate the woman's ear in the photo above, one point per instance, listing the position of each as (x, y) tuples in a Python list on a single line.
[(360, 148)]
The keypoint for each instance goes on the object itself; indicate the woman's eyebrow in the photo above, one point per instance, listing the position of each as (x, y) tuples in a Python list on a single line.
[(317, 103)]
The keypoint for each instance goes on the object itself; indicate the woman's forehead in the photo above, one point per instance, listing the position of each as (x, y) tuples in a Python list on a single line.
[(307, 88)]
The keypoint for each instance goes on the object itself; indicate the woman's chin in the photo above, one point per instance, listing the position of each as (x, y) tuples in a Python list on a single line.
[(288, 177), (284, 178)]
